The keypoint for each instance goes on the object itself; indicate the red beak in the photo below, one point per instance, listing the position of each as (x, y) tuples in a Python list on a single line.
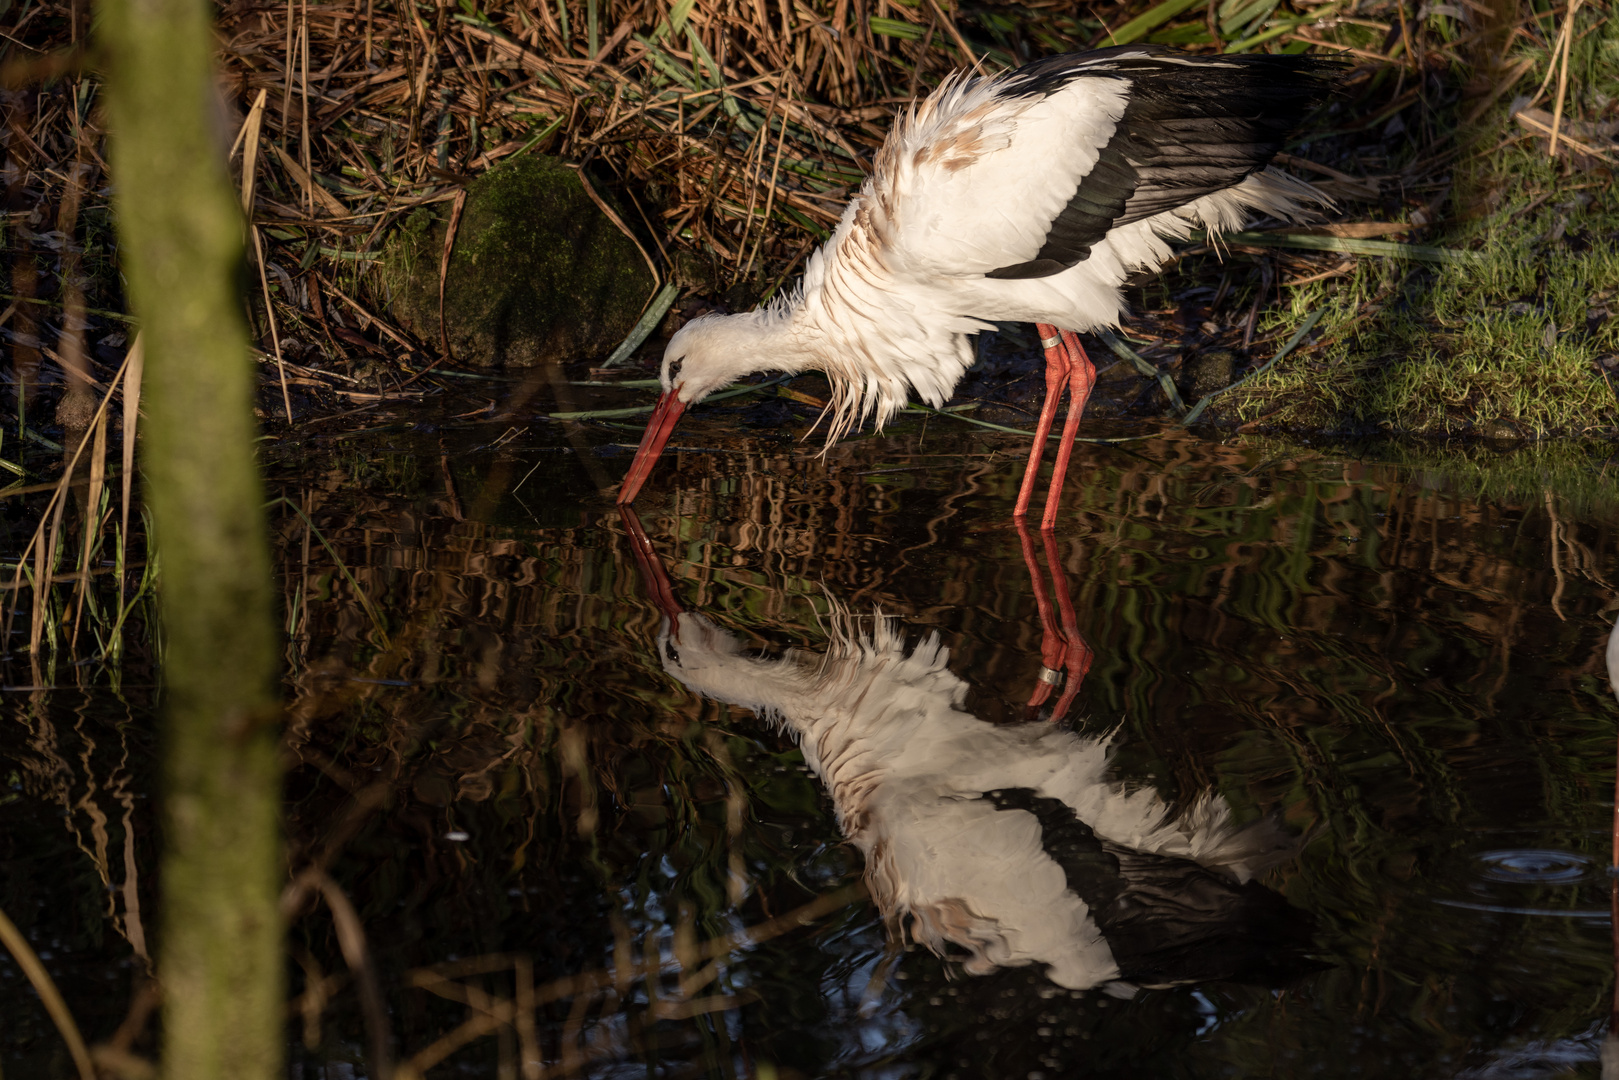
[(658, 429)]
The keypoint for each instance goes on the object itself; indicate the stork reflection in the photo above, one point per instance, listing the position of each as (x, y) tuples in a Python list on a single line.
[(1009, 843)]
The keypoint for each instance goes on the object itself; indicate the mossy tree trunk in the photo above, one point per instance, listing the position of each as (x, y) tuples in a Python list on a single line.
[(220, 958)]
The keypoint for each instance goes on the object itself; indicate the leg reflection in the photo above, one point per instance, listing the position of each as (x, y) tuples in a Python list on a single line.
[(1065, 658)]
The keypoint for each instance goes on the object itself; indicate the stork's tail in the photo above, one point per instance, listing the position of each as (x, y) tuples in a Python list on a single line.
[(1270, 191)]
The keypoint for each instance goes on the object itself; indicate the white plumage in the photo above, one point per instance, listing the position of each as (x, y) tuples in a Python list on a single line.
[(1029, 196), (910, 773)]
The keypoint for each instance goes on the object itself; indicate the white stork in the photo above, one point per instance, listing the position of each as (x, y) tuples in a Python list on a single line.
[(1027, 196)]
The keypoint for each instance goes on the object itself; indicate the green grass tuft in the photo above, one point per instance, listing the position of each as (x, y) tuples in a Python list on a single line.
[(1517, 341)]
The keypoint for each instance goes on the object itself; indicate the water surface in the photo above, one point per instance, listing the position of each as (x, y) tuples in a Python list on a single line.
[(532, 807)]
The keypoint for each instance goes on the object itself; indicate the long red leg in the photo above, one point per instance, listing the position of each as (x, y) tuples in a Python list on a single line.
[(1081, 377), (1057, 376)]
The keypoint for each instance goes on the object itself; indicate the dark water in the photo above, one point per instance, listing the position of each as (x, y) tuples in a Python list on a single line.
[(1395, 688)]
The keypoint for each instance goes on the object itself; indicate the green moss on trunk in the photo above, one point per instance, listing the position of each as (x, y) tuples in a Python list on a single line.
[(220, 953)]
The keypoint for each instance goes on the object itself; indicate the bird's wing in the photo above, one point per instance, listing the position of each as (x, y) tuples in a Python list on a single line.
[(971, 179), (1020, 175), (1192, 126), (964, 874)]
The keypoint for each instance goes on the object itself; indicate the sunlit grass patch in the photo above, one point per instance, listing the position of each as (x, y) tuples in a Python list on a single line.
[(1495, 372), (1517, 340)]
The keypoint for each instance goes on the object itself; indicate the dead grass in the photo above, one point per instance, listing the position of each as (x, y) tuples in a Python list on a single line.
[(735, 133)]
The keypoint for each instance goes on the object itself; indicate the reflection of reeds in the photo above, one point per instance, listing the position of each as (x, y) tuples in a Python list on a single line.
[(516, 698), (40, 979), (691, 965), (96, 774), (1180, 554)]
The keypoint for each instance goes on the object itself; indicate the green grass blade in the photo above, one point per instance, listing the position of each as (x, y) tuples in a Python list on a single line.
[(1390, 249), (1246, 15), (905, 31), (679, 14), (700, 52), (1140, 26), (1298, 336), (1145, 367), (1274, 32), (668, 65), (645, 410), (958, 411), (644, 327)]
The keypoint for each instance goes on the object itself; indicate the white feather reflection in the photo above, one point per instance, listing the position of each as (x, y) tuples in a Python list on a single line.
[(1009, 843)]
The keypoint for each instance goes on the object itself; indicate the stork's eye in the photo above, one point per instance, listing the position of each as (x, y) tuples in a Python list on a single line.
[(674, 368), (669, 650)]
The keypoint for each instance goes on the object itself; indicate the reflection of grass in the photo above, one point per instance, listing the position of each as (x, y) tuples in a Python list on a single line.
[(1264, 621), (632, 821), (1578, 474)]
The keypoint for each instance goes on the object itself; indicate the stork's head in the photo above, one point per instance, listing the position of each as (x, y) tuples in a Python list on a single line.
[(707, 354), (712, 352), (705, 657)]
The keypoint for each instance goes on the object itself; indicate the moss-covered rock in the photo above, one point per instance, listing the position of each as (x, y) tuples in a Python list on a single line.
[(539, 274)]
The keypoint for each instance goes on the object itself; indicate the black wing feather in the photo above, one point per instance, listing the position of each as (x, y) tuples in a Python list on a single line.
[(1168, 919), (1192, 125)]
